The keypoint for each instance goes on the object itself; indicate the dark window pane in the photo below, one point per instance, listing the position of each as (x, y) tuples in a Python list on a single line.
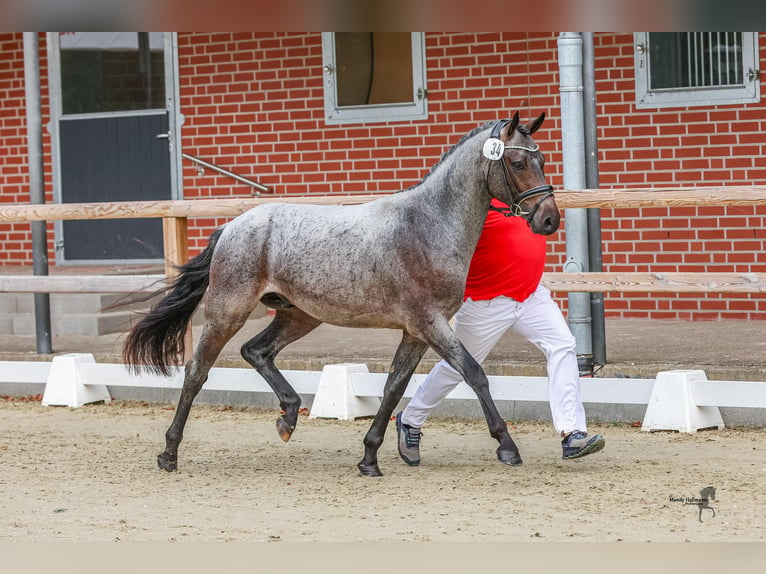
[(112, 72)]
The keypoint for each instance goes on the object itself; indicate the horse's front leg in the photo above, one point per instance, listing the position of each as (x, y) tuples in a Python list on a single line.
[(406, 359), (445, 342)]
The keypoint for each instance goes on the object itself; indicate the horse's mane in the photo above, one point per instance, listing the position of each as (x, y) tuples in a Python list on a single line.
[(449, 152), (522, 128)]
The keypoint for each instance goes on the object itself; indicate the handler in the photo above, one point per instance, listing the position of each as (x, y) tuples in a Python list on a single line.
[(503, 291)]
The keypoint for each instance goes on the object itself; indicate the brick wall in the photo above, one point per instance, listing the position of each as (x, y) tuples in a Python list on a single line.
[(253, 103), (717, 145), (15, 238)]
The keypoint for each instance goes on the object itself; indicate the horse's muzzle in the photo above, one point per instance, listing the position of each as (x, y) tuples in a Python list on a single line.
[(544, 218)]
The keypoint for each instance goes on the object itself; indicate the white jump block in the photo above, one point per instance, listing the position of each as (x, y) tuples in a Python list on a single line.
[(65, 385), (335, 398), (672, 406)]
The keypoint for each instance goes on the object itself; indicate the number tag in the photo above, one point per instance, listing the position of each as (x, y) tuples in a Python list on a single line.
[(493, 149)]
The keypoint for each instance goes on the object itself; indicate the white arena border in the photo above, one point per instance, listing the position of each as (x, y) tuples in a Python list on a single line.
[(678, 400)]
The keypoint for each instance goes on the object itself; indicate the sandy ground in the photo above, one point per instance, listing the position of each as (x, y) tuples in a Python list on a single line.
[(89, 474)]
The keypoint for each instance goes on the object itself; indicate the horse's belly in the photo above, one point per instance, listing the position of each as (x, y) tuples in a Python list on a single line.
[(347, 316), (362, 322)]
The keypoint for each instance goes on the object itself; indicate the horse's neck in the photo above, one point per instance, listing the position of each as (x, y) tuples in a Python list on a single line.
[(457, 195)]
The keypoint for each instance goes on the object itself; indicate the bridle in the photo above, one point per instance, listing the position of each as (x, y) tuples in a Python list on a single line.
[(494, 149)]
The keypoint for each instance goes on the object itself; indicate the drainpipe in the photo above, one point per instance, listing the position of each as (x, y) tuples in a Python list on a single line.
[(573, 147), (36, 187), (598, 327)]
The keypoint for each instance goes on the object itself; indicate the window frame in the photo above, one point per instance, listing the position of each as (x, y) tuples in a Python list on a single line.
[(749, 92), (417, 109)]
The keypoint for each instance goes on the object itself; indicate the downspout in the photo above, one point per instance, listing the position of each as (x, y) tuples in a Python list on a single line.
[(37, 187), (598, 327), (570, 46)]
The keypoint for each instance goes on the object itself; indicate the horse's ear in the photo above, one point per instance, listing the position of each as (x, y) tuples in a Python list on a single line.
[(535, 125), (512, 126)]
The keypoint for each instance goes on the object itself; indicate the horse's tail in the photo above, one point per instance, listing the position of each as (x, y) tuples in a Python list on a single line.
[(157, 340)]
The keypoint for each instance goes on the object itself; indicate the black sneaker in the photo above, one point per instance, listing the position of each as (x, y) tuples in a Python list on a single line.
[(578, 444), (409, 441)]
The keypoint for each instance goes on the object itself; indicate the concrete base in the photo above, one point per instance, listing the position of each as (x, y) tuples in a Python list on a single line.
[(335, 398), (672, 407), (65, 387)]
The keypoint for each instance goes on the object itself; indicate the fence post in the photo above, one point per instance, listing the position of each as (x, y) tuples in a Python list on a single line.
[(175, 236)]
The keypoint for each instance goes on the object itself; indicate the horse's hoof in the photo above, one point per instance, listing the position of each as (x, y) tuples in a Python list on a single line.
[(509, 457), (285, 430), (167, 462), (369, 469)]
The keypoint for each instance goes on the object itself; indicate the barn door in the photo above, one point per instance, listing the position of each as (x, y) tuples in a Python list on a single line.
[(113, 122)]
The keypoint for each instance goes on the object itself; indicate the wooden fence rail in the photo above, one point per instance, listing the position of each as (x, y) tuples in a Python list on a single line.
[(81, 283), (612, 198), (175, 215)]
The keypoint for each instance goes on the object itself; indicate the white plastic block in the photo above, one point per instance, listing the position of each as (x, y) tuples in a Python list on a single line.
[(672, 405), (335, 398), (65, 386)]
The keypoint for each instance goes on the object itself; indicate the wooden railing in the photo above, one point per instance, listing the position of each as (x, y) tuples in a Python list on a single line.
[(175, 215)]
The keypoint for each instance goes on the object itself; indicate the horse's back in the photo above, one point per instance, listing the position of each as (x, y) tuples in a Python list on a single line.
[(299, 231)]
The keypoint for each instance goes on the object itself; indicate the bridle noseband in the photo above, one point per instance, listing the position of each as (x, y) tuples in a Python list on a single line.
[(494, 149)]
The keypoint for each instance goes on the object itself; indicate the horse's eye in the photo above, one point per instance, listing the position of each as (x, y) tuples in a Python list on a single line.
[(518, 165)]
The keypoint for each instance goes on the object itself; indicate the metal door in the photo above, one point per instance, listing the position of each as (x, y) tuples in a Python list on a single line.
[(113, 125)]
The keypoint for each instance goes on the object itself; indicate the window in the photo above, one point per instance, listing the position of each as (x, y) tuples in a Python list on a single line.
[(374, 76), (696, 68), (112, 71)]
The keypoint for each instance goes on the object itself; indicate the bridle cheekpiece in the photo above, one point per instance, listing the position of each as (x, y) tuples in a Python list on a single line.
[(494, 150)]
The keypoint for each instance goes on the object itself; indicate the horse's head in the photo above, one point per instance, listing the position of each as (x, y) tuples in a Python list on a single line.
[(523, 186)]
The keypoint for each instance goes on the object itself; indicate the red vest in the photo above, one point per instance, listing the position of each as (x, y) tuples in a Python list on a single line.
[(509, 259)]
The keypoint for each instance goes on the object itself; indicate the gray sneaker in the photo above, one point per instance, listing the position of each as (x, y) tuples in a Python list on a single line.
[(578, 444), (409, 441)]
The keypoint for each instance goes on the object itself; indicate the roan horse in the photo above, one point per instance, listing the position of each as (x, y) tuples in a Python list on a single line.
[(398, 262)]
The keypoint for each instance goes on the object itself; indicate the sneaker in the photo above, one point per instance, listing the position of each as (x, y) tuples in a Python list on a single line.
[(409, 441), (579, 444)]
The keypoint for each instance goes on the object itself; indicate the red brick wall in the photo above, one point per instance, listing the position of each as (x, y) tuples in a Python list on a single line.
[(473, 78), (14, 181), (15, 238), (717, 145), (253, 103)]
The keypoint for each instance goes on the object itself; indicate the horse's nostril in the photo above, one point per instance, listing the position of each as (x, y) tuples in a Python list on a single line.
[(549, 225)]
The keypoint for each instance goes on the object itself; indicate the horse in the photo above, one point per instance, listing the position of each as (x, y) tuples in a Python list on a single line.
[(399, 262)]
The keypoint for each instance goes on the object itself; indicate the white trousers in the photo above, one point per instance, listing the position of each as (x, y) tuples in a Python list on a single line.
[(479, 326)]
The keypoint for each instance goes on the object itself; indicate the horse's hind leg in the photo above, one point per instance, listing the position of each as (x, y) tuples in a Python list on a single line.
[(288, 325), (406, 359), (211, 342)]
